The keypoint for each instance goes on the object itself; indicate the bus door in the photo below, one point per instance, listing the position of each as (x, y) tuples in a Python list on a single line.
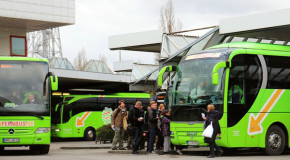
[(243, 88), (66, 123)]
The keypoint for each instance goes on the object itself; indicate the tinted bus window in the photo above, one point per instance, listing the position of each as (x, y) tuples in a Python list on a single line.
[(244, 84), (82, 105), (108, 102), (128, 101), (278, 72)]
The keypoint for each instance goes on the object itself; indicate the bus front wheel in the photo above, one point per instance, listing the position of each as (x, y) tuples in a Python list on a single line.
[(89, 134), (275, 140), (42, 149)]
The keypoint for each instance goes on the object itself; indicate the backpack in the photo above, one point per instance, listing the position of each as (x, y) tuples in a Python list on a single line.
[(118, 111)]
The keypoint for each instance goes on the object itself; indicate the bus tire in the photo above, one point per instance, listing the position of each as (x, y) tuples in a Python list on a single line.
[(89, 134), (41, 149), (275, 141)]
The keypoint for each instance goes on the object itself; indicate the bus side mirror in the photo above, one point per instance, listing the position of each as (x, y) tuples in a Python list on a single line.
[(215, 73), (215, 78), (54, 82), (162, 71)]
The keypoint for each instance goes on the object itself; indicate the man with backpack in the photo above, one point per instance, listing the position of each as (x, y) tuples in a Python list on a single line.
[(117, 125)]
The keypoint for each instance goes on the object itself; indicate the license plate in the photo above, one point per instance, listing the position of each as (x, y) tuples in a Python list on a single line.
[(192, 143), (11, 140)]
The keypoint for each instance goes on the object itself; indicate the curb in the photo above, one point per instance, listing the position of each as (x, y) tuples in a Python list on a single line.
[(85, 148), (130, 152)]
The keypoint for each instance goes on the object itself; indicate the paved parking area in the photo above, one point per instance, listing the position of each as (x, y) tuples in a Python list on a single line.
[(102, 154)]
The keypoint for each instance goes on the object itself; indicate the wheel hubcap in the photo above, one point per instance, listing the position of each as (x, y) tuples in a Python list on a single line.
[(274, 140), (90, 134)]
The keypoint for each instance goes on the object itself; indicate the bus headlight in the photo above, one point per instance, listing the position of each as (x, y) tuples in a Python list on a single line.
[(42, 130), (171, 133), (57, 130)]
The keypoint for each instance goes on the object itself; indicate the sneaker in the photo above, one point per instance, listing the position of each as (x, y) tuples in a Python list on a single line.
[(210, 156), (152, 153), (122, 148), (129, 148), (114, 148), (179, 152)]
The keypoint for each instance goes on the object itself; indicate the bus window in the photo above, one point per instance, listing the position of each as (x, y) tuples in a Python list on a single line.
[(244, 84), (278, 72), (108, 102), (128, 101), (82, 105)]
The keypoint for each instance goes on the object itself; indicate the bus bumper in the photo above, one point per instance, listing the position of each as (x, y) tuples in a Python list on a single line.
[(25, 140)]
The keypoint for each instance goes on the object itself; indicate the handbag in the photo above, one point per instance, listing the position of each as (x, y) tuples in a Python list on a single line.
[(208, 132), (125, 124)]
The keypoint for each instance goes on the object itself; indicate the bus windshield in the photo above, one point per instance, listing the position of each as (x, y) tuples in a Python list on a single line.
[(21, 88), (193, 89)]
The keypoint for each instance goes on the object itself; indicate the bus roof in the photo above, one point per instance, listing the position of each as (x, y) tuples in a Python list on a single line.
[(252, 45), (24, 59)]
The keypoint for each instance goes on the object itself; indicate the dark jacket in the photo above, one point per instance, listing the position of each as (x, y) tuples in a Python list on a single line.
[(134, 114), (152, 118), (165, 126), (213, 116)]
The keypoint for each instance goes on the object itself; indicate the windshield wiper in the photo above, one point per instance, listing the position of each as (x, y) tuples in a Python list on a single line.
[(35, 115), (190, 107)]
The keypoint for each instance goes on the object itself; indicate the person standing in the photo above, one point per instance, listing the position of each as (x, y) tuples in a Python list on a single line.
[(129, 142), (136, 121), (165, 125), (213, 116), (152, 125), (117, 125), (159, 144)]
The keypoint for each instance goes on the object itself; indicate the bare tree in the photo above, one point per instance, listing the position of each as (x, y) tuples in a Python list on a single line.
[(167, 19), (81, 61), (102, 57)]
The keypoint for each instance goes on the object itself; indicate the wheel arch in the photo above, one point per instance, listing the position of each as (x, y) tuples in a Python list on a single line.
[(89, 127), (283, 127)]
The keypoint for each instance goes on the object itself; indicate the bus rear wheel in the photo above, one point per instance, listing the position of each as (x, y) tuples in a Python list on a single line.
[(275, 141), (42, 149), (89, 134)]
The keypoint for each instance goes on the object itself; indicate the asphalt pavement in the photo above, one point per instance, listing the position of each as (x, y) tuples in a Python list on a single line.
[(79, 150)]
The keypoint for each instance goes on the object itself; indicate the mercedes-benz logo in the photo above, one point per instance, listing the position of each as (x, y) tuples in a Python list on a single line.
[(11, 131)]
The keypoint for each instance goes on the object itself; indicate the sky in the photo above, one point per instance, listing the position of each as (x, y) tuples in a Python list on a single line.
[(96, 20)]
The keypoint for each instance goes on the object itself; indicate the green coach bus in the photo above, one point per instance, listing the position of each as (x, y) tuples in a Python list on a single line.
[(249, 83), (25, 87), (78, 116)]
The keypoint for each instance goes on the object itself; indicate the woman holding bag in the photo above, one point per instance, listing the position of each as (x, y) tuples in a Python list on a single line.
[(213, 117)]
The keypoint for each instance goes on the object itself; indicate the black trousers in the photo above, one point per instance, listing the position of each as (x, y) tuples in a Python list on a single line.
[(160, 139), (212, 146)]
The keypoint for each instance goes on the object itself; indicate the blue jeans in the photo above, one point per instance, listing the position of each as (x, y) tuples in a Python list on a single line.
[(152, 135), (137, 138)]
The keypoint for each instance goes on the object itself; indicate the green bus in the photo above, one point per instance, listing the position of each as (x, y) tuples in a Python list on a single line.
[(79, 116), (25, 87), (249, 83)]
